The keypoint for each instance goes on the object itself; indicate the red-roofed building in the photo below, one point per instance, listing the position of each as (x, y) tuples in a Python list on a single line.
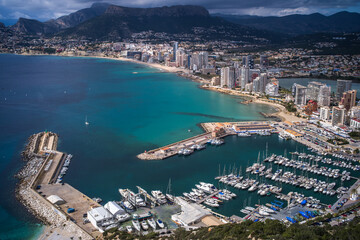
[(311, 107)]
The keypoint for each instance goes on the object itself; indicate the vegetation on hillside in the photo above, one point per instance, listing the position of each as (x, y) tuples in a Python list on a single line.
[(271, 229)]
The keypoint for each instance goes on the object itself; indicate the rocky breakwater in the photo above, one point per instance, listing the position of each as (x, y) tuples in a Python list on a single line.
[(40, 207)]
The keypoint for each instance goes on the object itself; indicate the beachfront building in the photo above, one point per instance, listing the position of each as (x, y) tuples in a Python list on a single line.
[(348, 99), (300, 94), (338, 116), (263, 82), (256, 85), (325, 113), (342, 86), (272, 89), (313, 89), (249, 87), (245, 76), (175, 48), (324, 95), (227, 78)]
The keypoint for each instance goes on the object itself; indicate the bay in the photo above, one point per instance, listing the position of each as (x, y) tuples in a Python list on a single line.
[(131, 108)]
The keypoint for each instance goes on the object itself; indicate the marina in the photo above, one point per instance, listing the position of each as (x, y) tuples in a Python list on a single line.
[(144, 211)]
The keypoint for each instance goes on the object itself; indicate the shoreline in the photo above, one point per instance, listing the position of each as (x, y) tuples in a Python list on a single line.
[(152, 65), (280, 111), (185, 74)]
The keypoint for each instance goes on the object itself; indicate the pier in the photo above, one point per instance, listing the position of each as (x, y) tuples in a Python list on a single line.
[(212, 130), (207, 197), (38, 177), (172, 149)]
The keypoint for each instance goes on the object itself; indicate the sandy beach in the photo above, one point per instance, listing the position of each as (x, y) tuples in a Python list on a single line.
[(281, 111)]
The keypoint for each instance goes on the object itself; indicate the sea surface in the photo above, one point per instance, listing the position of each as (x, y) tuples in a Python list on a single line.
[(131, 108)]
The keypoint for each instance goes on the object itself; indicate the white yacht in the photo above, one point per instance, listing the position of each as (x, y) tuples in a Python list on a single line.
[(152, 223), (159, 196), (187, 152), (86, 121), (136, 224), (128, 205), (129, 229), (144, 225), (244, 134), (211, 203), (160, 223), (124, 192)]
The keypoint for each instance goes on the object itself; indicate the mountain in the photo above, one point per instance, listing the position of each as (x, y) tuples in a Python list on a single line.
[(80, 16), (34, 27), (2, 26), (121, 22), (302, 24)]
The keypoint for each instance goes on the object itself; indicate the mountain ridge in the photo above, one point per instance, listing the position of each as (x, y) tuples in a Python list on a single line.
[(297, 24), (32, 26), (121, 22)]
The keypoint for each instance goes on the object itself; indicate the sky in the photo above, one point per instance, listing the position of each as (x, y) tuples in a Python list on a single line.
[(48, 9)]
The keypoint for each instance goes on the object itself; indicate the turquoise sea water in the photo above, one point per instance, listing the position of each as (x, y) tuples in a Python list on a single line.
[(128, 113)]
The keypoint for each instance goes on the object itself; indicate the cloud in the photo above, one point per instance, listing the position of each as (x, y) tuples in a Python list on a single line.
[(56, 8), (16, 15)]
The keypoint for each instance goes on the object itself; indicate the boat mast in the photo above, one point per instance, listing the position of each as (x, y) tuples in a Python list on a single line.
[(267, 146)]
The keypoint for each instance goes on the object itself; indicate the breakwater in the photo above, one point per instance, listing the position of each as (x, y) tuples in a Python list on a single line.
[(29, 177)]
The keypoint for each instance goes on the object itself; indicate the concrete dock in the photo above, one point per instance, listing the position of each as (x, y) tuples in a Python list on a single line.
[(37, 184), (212, 130)]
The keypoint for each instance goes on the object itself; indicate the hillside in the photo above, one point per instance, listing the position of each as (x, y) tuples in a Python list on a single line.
[(268, 230), (121, 22), (302, 24), (34, 27)]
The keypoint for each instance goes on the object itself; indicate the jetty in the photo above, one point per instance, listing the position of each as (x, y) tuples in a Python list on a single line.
[(47, 199), (213, 130), (208, 197)]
